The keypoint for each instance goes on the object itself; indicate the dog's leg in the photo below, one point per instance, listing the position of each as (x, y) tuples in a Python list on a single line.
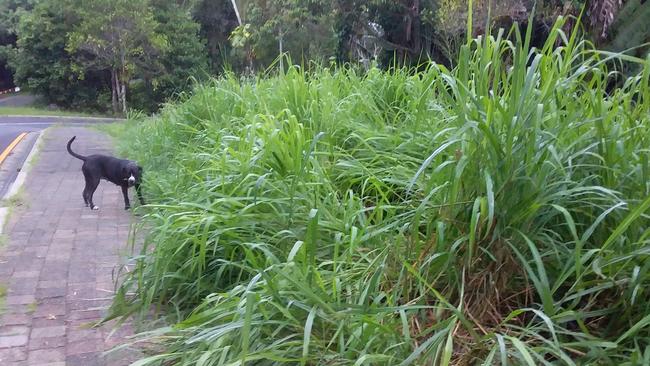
[(92, 187), (125, 192), (85, 196), (88, 179), (139, 192)]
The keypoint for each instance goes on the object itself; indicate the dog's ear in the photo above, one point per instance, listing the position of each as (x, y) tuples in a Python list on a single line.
[(125, 171)]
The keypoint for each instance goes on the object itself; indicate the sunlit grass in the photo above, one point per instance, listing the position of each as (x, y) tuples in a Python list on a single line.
[(495, 213)]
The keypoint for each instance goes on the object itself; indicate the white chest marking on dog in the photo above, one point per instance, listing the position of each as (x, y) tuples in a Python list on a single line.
[(131, 179)]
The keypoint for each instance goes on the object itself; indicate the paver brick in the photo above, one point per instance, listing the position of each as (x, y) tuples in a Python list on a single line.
[(88, 359), (84, 346), (48, 321), (76, 335), (50, 284), (46, 343), (15, 319), (12, 354), (26, 274), (46, 332), (45, 293), (19, 299), (22, 288), (13, 340), (46, 355), (14, 330), (85, 314)]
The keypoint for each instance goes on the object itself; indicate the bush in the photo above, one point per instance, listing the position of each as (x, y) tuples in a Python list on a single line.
[(42, 65), (495, 212)]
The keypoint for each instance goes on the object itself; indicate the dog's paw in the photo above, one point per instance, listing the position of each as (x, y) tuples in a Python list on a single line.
[(95, 208), (127, 207)]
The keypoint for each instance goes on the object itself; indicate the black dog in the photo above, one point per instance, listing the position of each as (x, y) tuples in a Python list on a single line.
[(124, 173)]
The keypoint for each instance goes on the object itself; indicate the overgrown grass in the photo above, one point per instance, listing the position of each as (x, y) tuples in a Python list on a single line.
[(35, 111), (495, 213)]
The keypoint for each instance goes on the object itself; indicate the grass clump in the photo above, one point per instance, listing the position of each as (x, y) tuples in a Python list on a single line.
[(495, 213)]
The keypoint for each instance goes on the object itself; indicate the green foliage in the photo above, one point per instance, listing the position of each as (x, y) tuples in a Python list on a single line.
[(183, 60), (145, 51), (492, 213), (120, 37), (120, 34), (241, 35), (82, 55), (42, 64), (300, 28), (217, 20), (10, 11), (631, 29)]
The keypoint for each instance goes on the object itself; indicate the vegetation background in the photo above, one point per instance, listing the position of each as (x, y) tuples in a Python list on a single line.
[(493, 213), (115, 55)]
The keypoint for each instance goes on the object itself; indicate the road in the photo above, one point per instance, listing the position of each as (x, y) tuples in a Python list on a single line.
[(9, 131), (19, 100), (10, 127)]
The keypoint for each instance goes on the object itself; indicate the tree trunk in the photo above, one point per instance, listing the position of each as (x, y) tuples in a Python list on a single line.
[(114, 88), (120, 90), (416, 33), (123, 93), (280, 45), (123, 81)]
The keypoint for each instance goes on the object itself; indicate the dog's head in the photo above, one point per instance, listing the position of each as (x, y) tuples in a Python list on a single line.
[(132, 173)]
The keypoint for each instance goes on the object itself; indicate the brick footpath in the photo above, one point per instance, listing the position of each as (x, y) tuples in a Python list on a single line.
[(58, 260)]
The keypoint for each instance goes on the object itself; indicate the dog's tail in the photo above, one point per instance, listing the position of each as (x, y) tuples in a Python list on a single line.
[(80, 157)]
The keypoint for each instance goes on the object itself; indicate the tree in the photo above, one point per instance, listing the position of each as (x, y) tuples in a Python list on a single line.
[(217, 20), (42, 64), (10, 12), (120, 35), (183, 59), (301, 28)]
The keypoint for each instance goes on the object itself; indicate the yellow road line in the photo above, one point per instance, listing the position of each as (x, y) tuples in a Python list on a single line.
[(12, 145)]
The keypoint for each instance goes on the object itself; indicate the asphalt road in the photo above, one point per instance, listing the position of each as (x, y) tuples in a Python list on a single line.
[(10, 127), (20, 100), (9, 130)]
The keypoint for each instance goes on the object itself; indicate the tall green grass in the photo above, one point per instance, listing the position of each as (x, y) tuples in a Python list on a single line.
[(496, 213)]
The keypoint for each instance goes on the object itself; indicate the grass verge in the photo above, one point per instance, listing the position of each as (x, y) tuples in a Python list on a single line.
[(496, 213), (35, 111)]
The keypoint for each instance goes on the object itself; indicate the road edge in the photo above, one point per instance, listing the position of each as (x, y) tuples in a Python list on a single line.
[(20, 178), (12, 146), (63, 117)]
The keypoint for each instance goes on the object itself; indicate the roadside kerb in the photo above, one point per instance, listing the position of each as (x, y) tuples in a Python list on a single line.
[(20, 180)]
